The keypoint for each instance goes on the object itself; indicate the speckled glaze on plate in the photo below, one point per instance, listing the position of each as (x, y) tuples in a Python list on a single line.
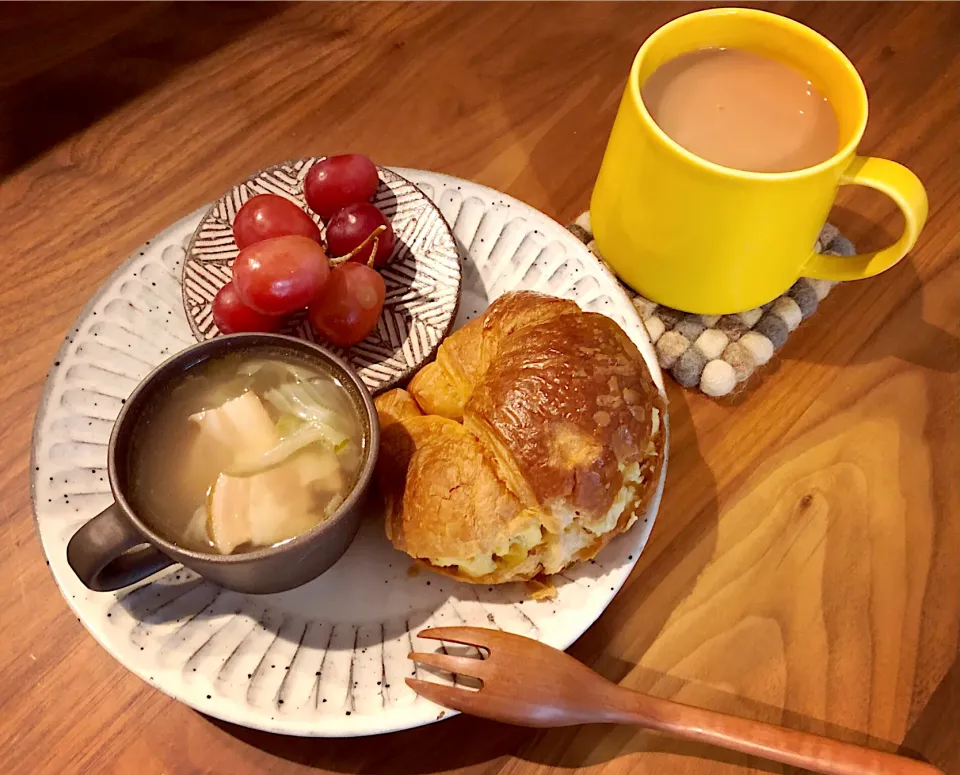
[(422, 279), (327, 659)]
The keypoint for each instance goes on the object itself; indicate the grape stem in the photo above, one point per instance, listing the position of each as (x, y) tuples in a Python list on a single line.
[(374, 236)]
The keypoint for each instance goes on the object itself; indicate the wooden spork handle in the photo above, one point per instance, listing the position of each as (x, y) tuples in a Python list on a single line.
[(787, 746), (529, 683)]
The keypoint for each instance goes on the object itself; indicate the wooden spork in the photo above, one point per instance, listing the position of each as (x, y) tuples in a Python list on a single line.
[(530, 684)]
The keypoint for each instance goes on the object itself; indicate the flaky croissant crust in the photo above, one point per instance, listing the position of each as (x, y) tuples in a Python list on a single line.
[(534, 438)]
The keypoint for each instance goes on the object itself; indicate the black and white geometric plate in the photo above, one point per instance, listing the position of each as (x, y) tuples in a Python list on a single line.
[(328, 659), (422, 278)]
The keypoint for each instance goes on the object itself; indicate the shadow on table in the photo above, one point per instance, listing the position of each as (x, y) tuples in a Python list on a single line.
[(466, 742), (934, 730), (650, 595), (66, 65), (596, 740), (672, 560), (922, 344)]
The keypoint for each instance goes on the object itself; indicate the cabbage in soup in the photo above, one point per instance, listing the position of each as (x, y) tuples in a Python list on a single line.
[(243, 454)]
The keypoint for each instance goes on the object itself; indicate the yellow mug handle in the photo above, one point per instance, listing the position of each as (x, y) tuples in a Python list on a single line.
[(904, 188)]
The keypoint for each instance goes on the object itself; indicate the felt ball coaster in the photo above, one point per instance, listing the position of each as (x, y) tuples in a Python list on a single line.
[(715, 353)]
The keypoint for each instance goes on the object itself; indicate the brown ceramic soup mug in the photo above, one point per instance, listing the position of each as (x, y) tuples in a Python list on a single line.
[(118, 548)]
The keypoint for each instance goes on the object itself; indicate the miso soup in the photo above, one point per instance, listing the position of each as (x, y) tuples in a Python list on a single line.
[(244, 453)]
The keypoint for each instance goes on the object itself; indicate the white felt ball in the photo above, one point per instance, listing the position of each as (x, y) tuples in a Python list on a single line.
[(718, 378), (712, 343), (655, 328), (670, 347), (759, 346), (751, 316), (788, 311), (584, 222), (644, 307), (821, 287), (709, 321)]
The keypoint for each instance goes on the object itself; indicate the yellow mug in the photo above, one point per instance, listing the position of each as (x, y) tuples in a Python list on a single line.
[(703, 238)]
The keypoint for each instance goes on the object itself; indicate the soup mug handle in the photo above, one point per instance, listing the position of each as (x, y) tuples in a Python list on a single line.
[(108, 553)]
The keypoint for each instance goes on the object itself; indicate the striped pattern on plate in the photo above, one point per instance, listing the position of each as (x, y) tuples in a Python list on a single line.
[(422, 278)]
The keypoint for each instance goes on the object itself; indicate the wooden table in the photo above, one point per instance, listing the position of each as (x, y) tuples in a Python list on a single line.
[(804, 566)]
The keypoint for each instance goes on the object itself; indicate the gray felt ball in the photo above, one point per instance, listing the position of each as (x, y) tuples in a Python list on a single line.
[(732, 326), (580, 233), (689, 367), (691, 327), (773, 327), (828, 234), (670, 347), (670, 317), (842, 246), (803, 293), (741, 359)]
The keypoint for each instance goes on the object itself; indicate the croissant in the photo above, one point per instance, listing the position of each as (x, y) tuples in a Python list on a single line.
[(534, 438)]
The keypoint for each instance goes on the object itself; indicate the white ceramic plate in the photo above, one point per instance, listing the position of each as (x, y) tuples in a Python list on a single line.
[(327, 659)]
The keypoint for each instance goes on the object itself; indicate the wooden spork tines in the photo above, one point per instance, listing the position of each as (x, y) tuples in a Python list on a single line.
[(530, 684)]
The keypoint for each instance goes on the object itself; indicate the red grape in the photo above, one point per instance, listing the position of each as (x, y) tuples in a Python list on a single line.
[(267, 216), (347, 310), (355, 223), (232, 316), (337, 181), (280, 275)]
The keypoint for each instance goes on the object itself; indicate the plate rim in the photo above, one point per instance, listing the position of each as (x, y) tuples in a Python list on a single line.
[(224, 708)]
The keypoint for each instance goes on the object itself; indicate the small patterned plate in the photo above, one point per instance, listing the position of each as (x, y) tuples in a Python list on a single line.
[(422, 278), (328, 659)]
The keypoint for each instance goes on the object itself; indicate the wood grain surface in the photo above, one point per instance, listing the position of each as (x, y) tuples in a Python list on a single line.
[(804, 567)]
